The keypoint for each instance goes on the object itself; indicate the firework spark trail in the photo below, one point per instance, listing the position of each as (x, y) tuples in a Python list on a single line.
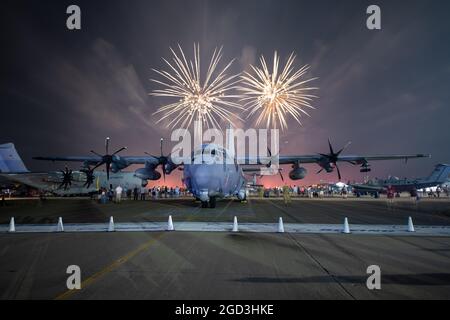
[(207, 101), (278, 95)]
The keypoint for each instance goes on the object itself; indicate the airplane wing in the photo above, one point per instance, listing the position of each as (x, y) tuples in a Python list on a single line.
[(354, 159), (367, 188), (364, 159), (89, 159), (94, 159)]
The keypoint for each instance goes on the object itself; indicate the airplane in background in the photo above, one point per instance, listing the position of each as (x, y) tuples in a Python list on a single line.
[(208, 182), (63, 182), (439, 176)]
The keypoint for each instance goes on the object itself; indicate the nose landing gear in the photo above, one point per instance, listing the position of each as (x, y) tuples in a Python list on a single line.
[(211, 203)]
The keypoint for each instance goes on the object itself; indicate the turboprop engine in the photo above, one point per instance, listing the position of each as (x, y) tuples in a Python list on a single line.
[(298, 173), (147, 173)]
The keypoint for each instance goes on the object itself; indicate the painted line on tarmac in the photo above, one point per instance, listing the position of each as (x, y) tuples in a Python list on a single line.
[(96, 276), (109, 268), (190, 226)]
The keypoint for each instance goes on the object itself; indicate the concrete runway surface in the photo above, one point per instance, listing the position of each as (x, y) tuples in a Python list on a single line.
[(224, 265)]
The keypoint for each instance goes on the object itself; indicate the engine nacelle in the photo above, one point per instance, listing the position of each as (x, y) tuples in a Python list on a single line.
[(147, 174), (298, 173)]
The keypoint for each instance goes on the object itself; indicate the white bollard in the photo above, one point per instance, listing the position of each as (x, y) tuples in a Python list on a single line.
[(111, 225), (235, 225), (12, 225), (170, 224), (60, 225), (410, 225), (280, 225), (346, 226)]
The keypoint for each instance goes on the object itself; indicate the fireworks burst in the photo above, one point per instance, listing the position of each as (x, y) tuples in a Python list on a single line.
[(206, 101), (278, 95)]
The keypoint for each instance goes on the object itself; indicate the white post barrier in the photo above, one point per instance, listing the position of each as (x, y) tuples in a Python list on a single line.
[(12, 225), (346, 226), (280, 225), (235, 225), (410, 225), (170, 224), (60, 227), (111, 227)]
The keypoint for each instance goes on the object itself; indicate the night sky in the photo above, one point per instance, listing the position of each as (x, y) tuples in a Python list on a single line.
[(387, 91)]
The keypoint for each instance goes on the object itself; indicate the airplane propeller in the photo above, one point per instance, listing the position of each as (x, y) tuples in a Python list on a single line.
[(107, 158), (89, 177), (66, 179), (270, 164), (162, 159), (333, 157)]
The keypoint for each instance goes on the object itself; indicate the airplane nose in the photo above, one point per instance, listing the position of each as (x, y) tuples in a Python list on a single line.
[(206, 177)]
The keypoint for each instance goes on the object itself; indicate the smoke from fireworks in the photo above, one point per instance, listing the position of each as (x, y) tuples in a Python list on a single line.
[(207, 101), (277, 95)]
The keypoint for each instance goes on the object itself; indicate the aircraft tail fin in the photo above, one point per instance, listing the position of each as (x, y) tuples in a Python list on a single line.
[(441, 174), (10, 161)]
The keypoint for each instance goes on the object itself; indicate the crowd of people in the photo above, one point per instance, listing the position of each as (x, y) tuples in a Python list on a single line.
[(118, 193), (320, 191)]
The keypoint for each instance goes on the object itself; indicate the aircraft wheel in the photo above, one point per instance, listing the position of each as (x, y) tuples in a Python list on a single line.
[(212, 202), (204, 204)]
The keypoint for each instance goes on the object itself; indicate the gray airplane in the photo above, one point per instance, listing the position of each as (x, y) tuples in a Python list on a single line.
[(439, 176), (208, 182), (64, 182)]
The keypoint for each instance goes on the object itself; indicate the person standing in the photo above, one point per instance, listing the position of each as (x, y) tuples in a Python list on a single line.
[(143, 191), (135, 193), (118, 194), (286, 195)]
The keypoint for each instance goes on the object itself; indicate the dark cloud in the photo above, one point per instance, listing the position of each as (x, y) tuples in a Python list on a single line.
[(387, 91)]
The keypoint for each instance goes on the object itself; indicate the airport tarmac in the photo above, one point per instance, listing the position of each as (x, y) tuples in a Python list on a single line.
[(301, 210), (225, 265)]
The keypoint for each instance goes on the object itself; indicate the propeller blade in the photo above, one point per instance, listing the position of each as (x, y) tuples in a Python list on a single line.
[(319, 171), (345, 147), (107, 145), (331, 148), (161, 146), (98, 165), (99, 155), (339, 172), (120, 150), (108, 166), (281, 175)]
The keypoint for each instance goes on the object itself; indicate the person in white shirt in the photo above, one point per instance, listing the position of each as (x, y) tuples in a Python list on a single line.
[(143, 192), (118, 194)]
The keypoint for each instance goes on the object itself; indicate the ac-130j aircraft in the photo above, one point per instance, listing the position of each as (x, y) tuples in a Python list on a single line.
[(208, 182)]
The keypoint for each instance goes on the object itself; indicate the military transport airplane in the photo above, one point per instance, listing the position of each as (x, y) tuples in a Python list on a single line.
[(439, 176), (64, 182), (207, 181)]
